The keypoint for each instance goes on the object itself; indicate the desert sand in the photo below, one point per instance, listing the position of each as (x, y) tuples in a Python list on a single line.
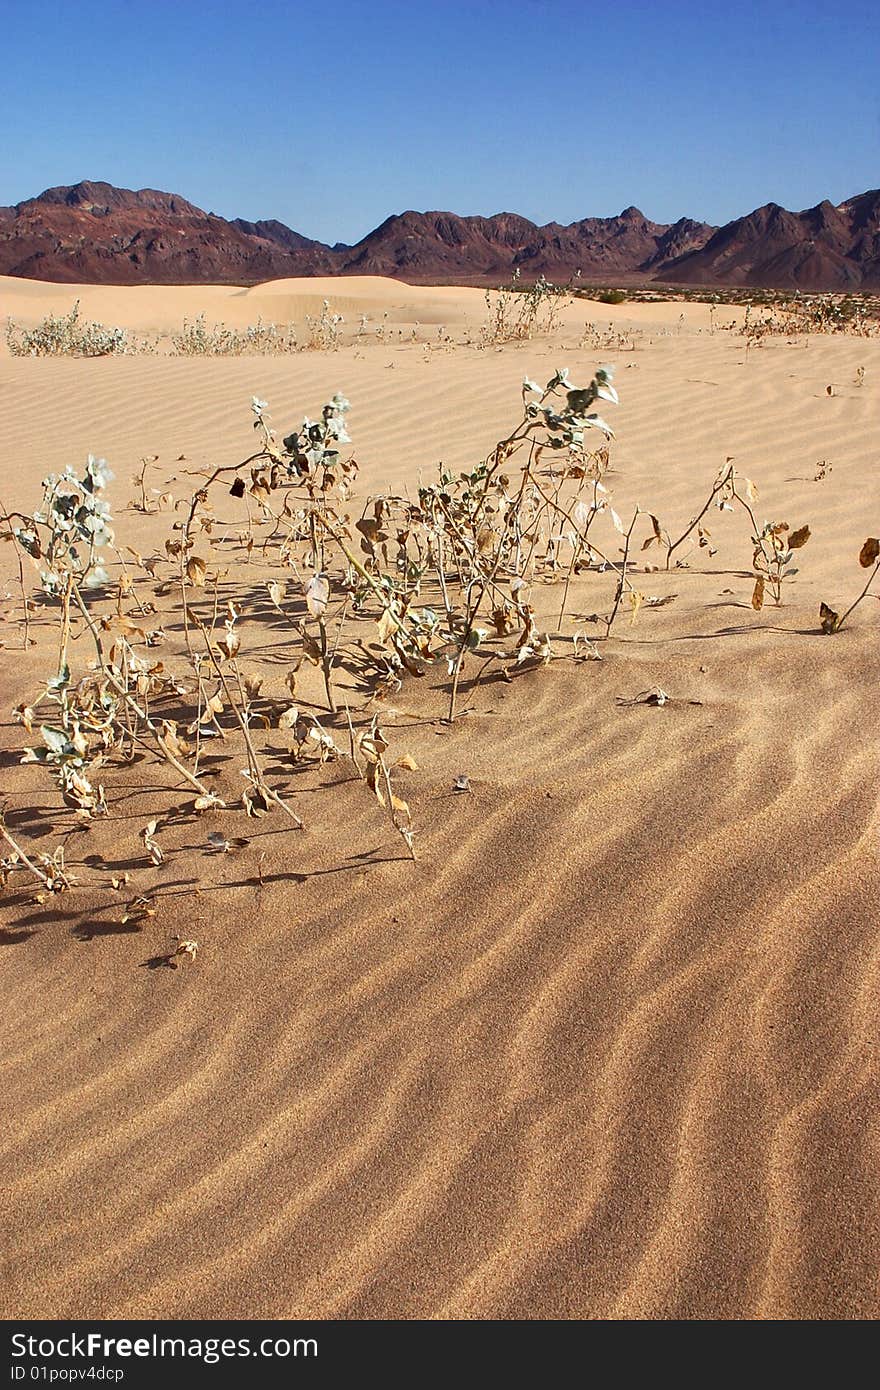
[(608, 1049)]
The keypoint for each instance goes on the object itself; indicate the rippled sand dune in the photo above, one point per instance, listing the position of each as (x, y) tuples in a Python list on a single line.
[(609, 1048)]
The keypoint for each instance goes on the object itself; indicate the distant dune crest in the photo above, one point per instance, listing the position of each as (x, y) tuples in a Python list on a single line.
[(94, 233)]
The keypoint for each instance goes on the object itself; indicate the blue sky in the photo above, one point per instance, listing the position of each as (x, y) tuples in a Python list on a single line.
[(332, 116)]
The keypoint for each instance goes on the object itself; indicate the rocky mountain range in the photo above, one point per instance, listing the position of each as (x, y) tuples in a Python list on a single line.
[(94, 233)]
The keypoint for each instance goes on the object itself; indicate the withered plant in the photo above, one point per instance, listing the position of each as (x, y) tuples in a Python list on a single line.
[(517, 312), (799, 314), (68, 335), (773, 542), (325, 330), (869, 559), (440, 586), (196, 339)]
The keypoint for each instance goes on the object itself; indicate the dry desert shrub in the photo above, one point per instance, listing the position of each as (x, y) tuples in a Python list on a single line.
[(607, 338), (325, 330), (196, 339), (67, 335), (517, 312), (364, 596), (855, 315)]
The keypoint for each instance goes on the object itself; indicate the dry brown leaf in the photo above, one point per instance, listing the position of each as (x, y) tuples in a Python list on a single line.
[(370, 529), (386, 625), (170, 741), (504, 620), (758, 593), (799, 537), (310, 647), (24, 714), (196, 569), (869, 552), (828, 619), (120, 623)]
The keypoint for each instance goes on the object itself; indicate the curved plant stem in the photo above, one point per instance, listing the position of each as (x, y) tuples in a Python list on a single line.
[(623, 580), (16, 847), (7, 517), (719, 483), (871, 577)]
